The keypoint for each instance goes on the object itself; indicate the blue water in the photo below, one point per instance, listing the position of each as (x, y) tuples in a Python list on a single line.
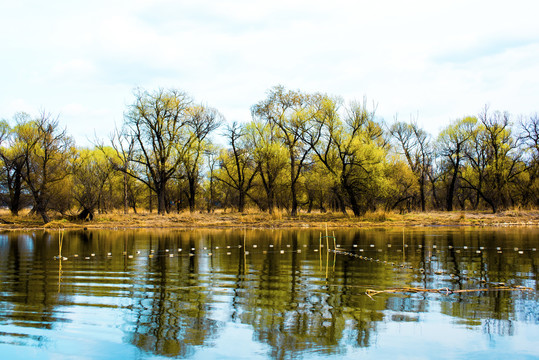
[(269, 294)]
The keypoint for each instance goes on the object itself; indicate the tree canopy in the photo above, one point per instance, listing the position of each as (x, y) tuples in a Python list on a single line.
[(301, 152)]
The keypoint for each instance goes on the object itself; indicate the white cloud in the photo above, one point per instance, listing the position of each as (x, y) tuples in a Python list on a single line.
[(74, 67), (16, 105), (438, 60)]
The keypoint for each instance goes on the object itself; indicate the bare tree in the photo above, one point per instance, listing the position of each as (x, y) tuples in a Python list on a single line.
[(529, 142), (212, 157), (529, 135), (237, 166), (412, 142), (160, 128), (123, 145), (203, 120)]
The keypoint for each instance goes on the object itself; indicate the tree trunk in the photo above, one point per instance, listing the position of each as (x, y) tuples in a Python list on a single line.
[(133, 201), (210, 205), (14, 184), (192, 194), (168, 207), (161, 202), (126, 205), (150, 204), (422, 192), (340, 201), (241, 202), (310, 207), (451, 192), (353, 202), (86, 214), (436, 201), (271, 202), (477, 197), (321, 203), (493, 206), (44, 215), (16, 198), (294, 210), (462, 202), (293, 190)]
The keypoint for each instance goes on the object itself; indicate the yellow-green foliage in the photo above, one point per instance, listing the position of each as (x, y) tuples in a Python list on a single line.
[(400, 183)]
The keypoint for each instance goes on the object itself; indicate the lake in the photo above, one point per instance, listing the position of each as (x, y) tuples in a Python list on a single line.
[(413, 293)]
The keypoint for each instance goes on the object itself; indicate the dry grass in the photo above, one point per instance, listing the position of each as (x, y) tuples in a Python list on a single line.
[(279, 219), (377, 216)]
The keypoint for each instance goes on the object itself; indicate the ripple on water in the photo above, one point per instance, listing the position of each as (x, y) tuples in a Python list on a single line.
[(272, 302)]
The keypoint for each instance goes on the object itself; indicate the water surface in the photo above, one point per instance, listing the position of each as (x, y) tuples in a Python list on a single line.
[(269, 294)]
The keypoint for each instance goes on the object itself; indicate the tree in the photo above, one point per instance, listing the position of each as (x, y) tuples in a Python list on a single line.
[(212, 158), (319, 186), (529, 135), (350, 148), (493, 160), (121, 159), (412, 142), (13, 159), (163, 128), (90, 173), (288, 112), (452, 144), (269, 156), (529, 141), (237, 168), (401, 185), (48, 153), (204, 120)]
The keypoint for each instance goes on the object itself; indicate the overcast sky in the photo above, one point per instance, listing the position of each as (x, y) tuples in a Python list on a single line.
[(432, 60)]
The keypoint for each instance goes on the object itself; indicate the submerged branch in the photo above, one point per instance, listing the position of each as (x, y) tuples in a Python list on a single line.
[(444, 291)]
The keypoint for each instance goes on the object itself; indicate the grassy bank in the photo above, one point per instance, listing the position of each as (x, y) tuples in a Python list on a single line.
[(222, 220)]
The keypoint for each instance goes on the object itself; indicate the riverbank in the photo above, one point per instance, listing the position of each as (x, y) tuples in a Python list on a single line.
[(278, 220)]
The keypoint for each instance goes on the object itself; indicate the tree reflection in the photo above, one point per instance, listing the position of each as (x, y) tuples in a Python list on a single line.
[(178, 291), (291, 305), (29, 279), (171, 316)]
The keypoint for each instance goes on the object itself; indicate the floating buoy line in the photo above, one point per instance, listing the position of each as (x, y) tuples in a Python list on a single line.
[(331, 246), (494, 286), (356, 251), (363, 253), (329, 243)]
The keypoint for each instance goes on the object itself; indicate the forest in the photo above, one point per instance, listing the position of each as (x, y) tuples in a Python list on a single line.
[(300, 152)]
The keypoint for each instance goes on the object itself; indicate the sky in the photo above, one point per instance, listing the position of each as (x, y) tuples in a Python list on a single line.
[(430, 61)]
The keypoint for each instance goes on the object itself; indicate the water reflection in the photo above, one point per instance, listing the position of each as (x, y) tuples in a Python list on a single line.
[(182, 293)]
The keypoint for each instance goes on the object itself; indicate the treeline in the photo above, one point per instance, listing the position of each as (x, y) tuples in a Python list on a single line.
[(300, 152)]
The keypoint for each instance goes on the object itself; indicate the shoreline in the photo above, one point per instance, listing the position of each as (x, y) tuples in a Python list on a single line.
[(218, 221)]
